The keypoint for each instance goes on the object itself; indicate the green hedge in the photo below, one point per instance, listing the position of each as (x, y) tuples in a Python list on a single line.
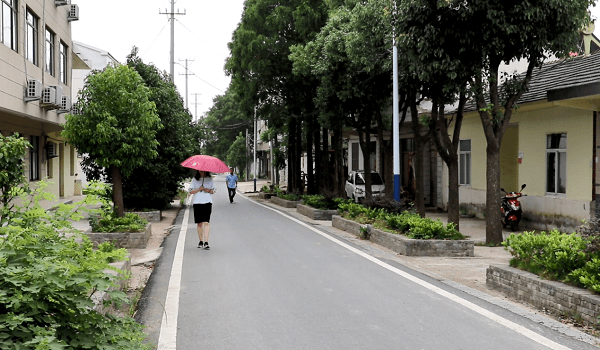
[(321, 202), (408, 223), (555, 255)]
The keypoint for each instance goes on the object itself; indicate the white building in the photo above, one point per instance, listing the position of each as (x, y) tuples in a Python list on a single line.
[(36, 60)]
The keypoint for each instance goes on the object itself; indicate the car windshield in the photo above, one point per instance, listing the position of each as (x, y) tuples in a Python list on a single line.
[(375, 179)]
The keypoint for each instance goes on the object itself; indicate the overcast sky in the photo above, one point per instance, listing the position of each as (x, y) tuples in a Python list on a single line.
[(201, 35)]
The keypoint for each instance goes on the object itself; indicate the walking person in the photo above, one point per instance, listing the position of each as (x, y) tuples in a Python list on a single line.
[(202, 187), (232, 181)]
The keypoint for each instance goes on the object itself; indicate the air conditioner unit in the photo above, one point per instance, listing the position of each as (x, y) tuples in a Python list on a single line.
[(60, 2), (59, 94), (49, 96), (73, 14), (65, 104), (33, 90), (51, 150)]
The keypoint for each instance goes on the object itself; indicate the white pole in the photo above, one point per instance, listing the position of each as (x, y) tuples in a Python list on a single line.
[(255, 135), (172, 41)]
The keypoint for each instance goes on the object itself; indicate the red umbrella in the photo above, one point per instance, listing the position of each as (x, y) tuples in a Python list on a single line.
[(206, 163)]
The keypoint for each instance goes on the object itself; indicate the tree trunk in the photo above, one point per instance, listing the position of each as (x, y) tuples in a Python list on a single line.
[(291, 185), (115, 174), (310, 175), (493, 226), (298, 158), (453, 198), (318, 159), (420, 141), (327, 183)]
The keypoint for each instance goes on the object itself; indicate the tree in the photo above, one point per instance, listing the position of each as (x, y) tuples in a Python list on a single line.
[(236, 156), (117, 124), (12, 175), (507, 31)]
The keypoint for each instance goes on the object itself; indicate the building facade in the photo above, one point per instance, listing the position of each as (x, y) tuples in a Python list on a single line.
[(36, 61)]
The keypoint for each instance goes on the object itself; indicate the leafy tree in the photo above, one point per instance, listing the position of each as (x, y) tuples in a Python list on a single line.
[(116, 126), (12, 150), (236, 156), (505, 31), (154, 184)]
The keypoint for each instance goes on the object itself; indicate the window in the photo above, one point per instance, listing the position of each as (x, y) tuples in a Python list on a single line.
[(8, 25), (31, 50), (34, 158), (50, 168), (63, 63), (49, 52), (72, 161), (464, 162), (556, 163)]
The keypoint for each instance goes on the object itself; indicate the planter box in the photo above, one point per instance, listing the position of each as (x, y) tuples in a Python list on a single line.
[(122, 239), (150, 216), (346, 225), (552, 295), (98, 298), (315, 214), (263, 195), (422, 247), (284, 202), (408, 246)]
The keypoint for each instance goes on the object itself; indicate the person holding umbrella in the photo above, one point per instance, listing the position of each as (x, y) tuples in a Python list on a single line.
[(232, 181), (202, 187)]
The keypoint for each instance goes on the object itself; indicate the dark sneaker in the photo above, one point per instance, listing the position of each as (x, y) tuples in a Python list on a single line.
[(201, 244), (206, 246)]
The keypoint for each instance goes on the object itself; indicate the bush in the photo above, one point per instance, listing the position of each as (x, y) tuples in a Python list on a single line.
[(322, 202), (106, 219), (408, 223), (47, 278)]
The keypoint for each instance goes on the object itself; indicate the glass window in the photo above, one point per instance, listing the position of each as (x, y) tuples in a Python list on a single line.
[(556, 163), (9, 24), (49, 52), (464, 162), (32, 38), (34, 158), (63, 63)]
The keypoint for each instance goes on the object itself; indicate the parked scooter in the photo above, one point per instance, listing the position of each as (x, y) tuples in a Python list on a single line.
[(511, 208)]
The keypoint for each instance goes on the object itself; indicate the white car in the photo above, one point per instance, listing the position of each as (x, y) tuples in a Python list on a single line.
[(355, 185)]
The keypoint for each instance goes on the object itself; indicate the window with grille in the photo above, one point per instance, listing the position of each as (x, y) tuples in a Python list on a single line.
[(464, 162), (9, 23), (50, 51), (63, 63), (556, 163), (34, 158), (31, 42)]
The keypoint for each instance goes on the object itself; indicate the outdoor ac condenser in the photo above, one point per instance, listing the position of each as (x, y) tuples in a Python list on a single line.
[(60, 2), (73, 14), (33, 90), (51, 150), (59, 95), (49, 96)]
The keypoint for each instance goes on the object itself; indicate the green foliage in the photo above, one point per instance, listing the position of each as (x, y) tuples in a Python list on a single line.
[(12, 151), (322, 202), (106, 219), (408, 223), (588, 275), (47, 278), (236, 155)]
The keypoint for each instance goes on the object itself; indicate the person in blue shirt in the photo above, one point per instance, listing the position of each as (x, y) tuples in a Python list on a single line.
[(231, 180)]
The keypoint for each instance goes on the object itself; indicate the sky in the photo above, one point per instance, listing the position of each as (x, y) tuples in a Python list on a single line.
[(201, 37)]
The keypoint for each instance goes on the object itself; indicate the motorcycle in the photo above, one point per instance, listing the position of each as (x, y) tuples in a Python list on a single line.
[(511, 208)]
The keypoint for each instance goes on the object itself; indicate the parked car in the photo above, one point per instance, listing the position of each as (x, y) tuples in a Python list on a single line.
[(355, 185)]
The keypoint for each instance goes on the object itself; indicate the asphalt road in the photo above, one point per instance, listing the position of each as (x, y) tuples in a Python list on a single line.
[(272, 282)]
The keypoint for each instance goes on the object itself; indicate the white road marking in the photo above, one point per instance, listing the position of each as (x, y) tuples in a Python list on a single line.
[(501, 320), (168, 330)]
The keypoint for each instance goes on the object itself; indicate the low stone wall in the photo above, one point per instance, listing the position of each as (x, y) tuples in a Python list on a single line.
[(284, 202), (346, 225), (422, 247), (552, 295), (315, 214), (408, 246), (150, 216), (122, 239), (263, 195), (98, 298)]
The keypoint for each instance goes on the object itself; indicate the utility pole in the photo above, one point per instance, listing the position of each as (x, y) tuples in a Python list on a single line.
[(196, 105), (186, 80), (172, 14)]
